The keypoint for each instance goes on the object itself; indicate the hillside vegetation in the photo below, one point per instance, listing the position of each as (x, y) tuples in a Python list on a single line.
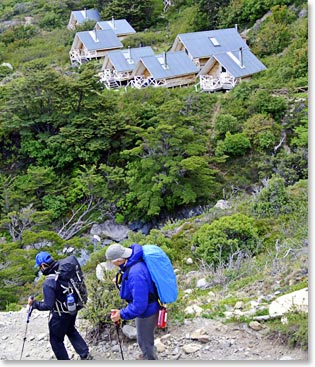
[(73, 153)]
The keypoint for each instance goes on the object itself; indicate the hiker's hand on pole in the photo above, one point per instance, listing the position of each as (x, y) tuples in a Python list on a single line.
[(115, 315), (30, 300)]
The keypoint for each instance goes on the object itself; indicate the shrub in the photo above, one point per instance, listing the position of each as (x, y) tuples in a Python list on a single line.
[(294, 332), (273, 199), (226, 237), (225, 123), (263, 131), (233, 145)]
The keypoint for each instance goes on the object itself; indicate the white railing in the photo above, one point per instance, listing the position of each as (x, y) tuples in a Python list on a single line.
[(88, 54), (211, 83), (167, 4), (142, 82), (78, 55), (108, 74)]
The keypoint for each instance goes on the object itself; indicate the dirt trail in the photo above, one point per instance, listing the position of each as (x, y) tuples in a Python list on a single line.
[(222, 342)]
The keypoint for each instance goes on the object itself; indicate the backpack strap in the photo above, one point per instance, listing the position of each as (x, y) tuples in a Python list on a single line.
[(153, 297), (60, 307)]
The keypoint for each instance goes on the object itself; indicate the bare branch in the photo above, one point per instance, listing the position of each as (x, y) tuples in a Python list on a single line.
[(79, 219), (279, 145)]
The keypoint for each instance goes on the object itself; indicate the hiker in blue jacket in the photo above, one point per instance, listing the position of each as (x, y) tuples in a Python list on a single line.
[(61, 322), (137, 288)]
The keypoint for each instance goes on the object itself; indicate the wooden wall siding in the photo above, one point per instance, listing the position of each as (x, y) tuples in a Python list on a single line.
[(72, 23), (215, 70), (146, 73), (203, 61), (180, 81)]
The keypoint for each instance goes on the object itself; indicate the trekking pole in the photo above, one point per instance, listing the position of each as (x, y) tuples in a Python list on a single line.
[(117, 324), (29, 312)]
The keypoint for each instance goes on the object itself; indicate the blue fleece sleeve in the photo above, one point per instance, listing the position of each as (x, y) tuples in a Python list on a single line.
[(49, 292), (138, 283)]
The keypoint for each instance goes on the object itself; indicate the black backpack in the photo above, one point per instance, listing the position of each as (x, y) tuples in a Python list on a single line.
[(70, 278)]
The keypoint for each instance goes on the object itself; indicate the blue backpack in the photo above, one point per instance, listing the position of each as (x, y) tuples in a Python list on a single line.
[(162, 273)]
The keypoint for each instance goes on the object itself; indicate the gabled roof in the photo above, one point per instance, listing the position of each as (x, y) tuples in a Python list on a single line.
[(177, 64), (127, 59), (238, 66), (119, 26), (99, 39), (208, 43), (82, 16)]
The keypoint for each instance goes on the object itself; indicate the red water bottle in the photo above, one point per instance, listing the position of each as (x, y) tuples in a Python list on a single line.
[(162, 319)]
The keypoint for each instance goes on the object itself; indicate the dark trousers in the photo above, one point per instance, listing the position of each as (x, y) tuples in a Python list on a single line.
[(145, 335), (59, 327)]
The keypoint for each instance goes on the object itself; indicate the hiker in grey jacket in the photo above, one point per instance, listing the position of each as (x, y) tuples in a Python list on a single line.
[(137, 288)]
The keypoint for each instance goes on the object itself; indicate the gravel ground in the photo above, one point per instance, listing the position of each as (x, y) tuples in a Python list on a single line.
[(224, 342)]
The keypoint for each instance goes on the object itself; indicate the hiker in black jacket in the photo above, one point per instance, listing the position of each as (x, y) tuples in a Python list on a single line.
[(61, 322)]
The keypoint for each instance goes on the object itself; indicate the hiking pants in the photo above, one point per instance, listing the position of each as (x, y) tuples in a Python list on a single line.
[(145, 335), (59, 326)]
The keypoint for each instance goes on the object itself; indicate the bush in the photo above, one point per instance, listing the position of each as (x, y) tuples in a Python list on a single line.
[(273, 199), (225, 238), (233, 145), (225, 123), (294, 332), (263, 131)]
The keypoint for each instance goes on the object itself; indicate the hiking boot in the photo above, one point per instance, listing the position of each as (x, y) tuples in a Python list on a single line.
[(87, 357)]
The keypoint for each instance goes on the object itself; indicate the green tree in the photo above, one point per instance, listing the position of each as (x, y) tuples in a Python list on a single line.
[(208, 14), (168, 166), (137, 12), (275, 33)]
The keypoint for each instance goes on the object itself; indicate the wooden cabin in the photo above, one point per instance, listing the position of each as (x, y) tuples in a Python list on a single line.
[(120, 27), (170, 69), (225, 70), (200, 46), (118, 65), (93, 44), (78, 17)]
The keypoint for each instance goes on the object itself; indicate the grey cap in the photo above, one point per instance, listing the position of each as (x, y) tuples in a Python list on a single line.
[(117, 251)]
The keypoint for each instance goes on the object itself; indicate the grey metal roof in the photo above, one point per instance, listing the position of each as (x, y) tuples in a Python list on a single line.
[(251, 64), (119, 26), (199, 45), (87, 14), (178, 64), (120, 58), (105, 39)]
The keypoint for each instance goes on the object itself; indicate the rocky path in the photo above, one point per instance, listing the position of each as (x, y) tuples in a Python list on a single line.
[(198, 339)]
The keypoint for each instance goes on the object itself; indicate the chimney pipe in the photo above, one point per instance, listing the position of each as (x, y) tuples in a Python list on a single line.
[(95, 33), (241, 57), (165, 60), (113, 22), (85, 13), (129, 53), (236, 27)]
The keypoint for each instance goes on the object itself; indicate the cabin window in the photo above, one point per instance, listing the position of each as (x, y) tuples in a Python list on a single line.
[(223, 70), (214, 41)]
